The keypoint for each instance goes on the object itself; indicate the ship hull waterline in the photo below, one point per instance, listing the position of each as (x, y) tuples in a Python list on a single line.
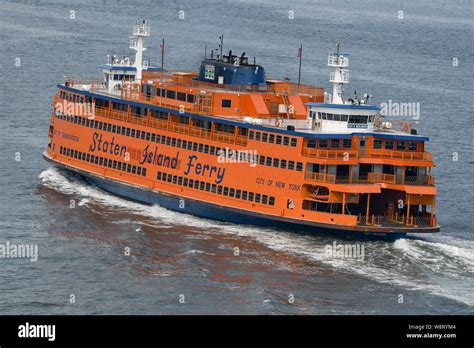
[(228, 214)]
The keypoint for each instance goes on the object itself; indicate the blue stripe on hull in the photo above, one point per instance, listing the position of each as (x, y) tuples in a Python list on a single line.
[(215, 212)]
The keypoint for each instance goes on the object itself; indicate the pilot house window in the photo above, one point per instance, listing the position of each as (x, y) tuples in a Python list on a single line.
[(226, 103), (209, 72)]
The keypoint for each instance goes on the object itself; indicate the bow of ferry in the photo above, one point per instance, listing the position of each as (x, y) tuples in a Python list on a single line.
[(226, 143)]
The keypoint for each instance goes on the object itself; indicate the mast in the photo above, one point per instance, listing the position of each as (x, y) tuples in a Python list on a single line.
[(137, 43), (340, 75)]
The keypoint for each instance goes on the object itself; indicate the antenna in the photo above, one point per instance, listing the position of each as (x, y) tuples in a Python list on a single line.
[(221, 45)]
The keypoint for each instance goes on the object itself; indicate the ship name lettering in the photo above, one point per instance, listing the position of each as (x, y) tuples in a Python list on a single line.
[(106, 146), (152, 157), (205, 169)]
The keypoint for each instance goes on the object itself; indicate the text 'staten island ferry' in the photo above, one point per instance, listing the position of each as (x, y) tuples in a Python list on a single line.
[(226, 143)]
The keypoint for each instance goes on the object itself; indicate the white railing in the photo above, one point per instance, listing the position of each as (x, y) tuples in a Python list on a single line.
[(344, 77), (338, 60), (142, 29)]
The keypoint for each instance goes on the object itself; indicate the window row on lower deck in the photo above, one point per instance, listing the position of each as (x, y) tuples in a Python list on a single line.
[(219, 189), (175, 142), (102, 161)]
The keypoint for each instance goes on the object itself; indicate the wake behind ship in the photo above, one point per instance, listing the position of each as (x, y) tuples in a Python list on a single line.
[(226, 143)]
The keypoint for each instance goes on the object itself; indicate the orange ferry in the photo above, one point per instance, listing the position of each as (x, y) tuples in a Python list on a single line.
[(226, 143)]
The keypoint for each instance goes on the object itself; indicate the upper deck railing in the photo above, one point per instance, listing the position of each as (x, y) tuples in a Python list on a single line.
[(371, 178), (401, 155)]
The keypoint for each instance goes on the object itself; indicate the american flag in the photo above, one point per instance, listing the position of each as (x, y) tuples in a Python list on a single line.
[(299, 53)]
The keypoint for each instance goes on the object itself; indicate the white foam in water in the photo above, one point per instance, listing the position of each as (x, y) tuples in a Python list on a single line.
[(435, 255)]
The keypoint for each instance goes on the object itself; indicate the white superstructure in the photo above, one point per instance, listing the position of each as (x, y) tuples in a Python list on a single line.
[(336, 114)]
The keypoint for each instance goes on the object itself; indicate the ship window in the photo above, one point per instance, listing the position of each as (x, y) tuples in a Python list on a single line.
[(272, 201), (335, 143), (311, 143), (138, 133), (291, 165), (269, 161), (412, 145), (347, 143), (201, 146), (323, 115), (377, 144), (337, 117), (219, 189), (261, 160), (129, 167), (208, 187), (158, 176), (244, 195), (195, 147), (147, 135), (134, 169), (283, 164), (299, 166), (276, 162), (323, 143), (258, 135), (293, 142), (212, 150), (257, 197), (170, 94), (264, 137), (231, 192), (272, 139), (286, 141), (209, 72), (237, 194), (180, 181), (251, 195), (251, 135), (206, 149), (344, 118), (278, 139), (190, 98), (181, 96), (168, 141), (144, 172), (139, 170), (264, 199), (226, 103), (389, 144), (400, 145)]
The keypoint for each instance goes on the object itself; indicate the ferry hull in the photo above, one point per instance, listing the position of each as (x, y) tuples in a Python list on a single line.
[(223, 213)]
